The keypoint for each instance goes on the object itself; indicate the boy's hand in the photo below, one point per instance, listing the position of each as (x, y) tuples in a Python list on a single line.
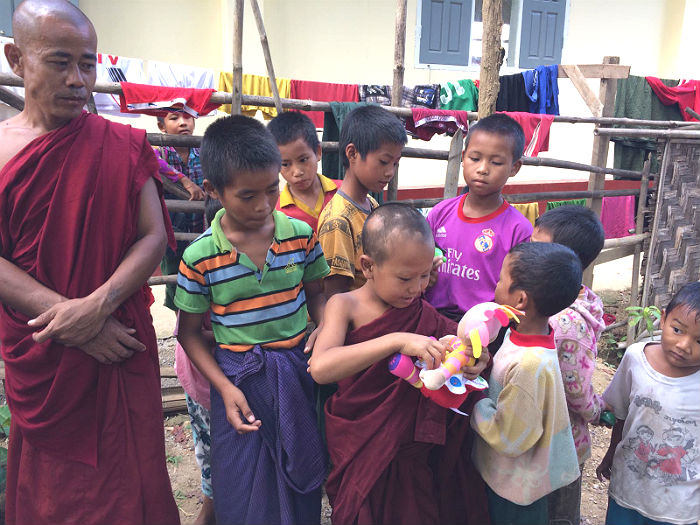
[(309, 346), (429, 350), (196, 193), (472, 372), (605, 467), (437, 262), (238, 412)]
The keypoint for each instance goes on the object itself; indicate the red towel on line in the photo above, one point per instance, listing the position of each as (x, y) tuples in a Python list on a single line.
[(424, 123), (322, 92), (536, 128), (686, 94), (617, 216), (158, 101)]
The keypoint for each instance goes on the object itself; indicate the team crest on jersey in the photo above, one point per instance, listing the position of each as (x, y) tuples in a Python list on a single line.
[(484, 242)]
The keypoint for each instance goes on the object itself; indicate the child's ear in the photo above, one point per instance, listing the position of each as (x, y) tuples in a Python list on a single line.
[(522, 300), (318, 152), (662, 321), (209, 188), (366, 264), (351, 152), (516, 168)]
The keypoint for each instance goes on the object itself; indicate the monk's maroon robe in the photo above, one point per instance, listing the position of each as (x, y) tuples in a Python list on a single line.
[(86, 443), (396, 456)]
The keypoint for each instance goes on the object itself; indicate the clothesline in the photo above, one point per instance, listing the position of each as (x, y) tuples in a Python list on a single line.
[(220, 97)]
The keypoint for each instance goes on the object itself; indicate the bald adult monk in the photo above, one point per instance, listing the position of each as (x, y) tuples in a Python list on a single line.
[(82, 226)]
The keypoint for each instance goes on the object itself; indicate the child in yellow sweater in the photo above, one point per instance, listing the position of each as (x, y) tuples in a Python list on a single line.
[(524, 448)]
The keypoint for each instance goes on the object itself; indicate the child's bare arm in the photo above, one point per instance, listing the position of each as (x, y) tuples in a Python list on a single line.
[(605, 467), (332, 360), (197, 349), (316, 303)]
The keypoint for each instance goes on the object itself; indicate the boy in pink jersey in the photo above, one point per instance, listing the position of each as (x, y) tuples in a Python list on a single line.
[(476, 230)]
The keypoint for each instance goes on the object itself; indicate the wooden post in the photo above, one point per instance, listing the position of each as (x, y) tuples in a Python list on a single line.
[(237, 80), (639, 228), (454, 161), (397, 86), (266, 52), (11, 99), (599, 157), (491, 57)]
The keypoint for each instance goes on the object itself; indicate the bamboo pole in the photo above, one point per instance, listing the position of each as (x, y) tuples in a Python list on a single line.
[(453, 164), (491, 56), (237, 78), (397, 86), (222, 97), (266, 52), (639, 228), (650, 133), (11, 99)]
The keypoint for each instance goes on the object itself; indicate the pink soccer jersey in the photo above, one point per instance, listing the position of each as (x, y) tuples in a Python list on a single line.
[(474, 249)]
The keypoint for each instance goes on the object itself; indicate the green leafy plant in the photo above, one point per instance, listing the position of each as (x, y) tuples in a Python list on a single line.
[(5, 420), (175, 460), (648, 314)]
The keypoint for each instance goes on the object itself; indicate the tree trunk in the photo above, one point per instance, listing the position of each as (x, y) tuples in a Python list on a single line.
[(491, 57)]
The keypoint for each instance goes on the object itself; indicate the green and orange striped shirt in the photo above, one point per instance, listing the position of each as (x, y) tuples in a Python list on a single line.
[(249, 306)]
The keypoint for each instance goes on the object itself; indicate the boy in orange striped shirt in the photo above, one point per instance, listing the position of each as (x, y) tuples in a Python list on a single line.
[(255, 270)]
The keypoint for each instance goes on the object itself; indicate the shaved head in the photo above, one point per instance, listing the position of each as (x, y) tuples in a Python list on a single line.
[(390, 225), (30, 17)]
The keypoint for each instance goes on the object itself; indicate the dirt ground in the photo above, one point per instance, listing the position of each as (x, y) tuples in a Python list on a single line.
[(184, 473)]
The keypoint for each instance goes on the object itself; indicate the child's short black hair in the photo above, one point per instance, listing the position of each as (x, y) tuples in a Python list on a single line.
[(389, 220), (688, 297), (292, 125), (211, 206), (577, 227), (549, 273), (500, 124), (368, 127), (233, 144)]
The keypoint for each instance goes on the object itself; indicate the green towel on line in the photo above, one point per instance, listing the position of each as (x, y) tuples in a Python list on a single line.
[(556, 204)]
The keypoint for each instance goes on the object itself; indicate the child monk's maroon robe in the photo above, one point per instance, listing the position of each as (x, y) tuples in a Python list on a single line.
[(396, 456), (86, 443)]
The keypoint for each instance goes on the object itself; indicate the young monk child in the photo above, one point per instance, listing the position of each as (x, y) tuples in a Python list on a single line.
[(576, 332), (256, 273), (371, 142), (196, 389), (182, 165), (306, 191), (524, 448), (653, 462), (396, 456), (476, 230)]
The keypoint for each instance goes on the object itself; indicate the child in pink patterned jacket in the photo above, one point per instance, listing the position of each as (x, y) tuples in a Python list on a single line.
[(576, 332)]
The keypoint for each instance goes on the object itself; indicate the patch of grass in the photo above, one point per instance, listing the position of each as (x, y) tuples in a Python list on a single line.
[(175, 460)]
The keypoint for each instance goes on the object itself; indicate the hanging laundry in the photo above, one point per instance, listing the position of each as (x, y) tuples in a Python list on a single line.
[(113, 68), (420, 96), (536, 129), (686, 95), (511, 94), (178, 75), (158, 101), (424, 123), (254, 85), (462, 95), (635, 99), (332, 165), (322, 92), (617, 216), (530, 210), (542, 88), (374, 94), (571, 202)]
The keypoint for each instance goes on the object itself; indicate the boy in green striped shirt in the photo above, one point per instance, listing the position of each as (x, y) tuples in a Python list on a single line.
[(258, 273)]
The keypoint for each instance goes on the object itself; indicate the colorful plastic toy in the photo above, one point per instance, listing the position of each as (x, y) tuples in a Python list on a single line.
[(481, 325)]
